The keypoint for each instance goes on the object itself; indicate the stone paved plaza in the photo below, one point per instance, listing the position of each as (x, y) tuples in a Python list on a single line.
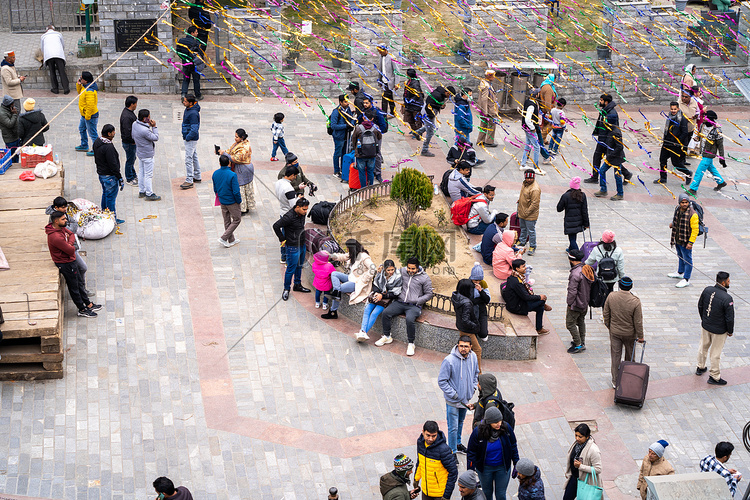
[(297, 406)]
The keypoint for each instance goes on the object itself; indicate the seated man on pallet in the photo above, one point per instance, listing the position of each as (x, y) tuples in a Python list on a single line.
[(63, 253)]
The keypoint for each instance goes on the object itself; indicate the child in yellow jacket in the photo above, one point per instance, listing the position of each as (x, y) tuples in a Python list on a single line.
[(88, 101)]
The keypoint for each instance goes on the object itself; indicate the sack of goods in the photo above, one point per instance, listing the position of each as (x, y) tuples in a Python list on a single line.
[(46, 170), (93, 222)]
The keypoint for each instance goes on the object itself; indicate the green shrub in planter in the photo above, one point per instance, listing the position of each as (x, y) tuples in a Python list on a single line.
[(412, 187), (422, 242)]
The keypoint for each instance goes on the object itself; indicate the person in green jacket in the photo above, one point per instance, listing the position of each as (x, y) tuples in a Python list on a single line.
[(394, 485)]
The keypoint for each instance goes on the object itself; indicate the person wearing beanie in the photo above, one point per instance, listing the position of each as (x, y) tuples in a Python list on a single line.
[(9, 125), (609, 260), (576, 219), (614, 158), (481, 297), (579, 291), (468, 318), (459, 373), (469, 486), (32, 124), (395, 484), (654, 464), (480, 216), (685, 227), (716, 308), (530, 484), (277, 136), (528, 210), (11, 81), (300, 182), (492, 451), (88, 106), (623, 317), (711, 146), (413, 100), (437, 467)]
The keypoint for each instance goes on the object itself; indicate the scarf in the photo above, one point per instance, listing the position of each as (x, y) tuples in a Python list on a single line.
[(495, 435), (577, 449), (522, 279), (550, 80), (105, 140), (6, 63), (240, 152), (681, 226), (672, 120)]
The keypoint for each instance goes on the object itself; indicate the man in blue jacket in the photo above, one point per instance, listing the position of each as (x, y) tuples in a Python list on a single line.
[(458, 381), (191, 124), (342, 123), (227, 189), (463, 120)]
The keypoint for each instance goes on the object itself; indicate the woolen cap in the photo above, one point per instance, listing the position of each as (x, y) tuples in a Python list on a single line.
[(608, 236), (658, 447), (402, 463), (493, 415), (477, 272), (353, 86), (529, 174), (526, 467), (469, 479), (625, 283), (290, 157), (7, 100), (575, 255), (575, 183), (682, 196), (29, 104)]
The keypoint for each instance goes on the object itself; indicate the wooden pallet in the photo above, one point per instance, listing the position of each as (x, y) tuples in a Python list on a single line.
[(29, 352)]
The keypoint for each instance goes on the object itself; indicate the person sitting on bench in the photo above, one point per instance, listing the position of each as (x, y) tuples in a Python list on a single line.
[(520, 299)]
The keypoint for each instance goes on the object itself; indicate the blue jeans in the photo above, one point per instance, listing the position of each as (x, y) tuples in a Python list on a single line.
[(573, 244), (532, 143), (603, 177), (705, 164), (280, 143), (528, 232), (318, 294), (192, 166), (89, 126), (455, 418), (554, 142), (369, 316), (685, 265), (129, 162), (342, 284), (146, 175), (428, 129), (295, 259), (479, 228), (110, 185), (494, 478), (338, 154), (191, 73), (13, 146), (366, 168)]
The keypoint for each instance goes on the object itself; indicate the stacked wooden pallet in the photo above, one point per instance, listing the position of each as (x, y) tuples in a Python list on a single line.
[(30, 291)]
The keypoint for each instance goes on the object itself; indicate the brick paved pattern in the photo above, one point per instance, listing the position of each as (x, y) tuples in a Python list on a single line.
[(131, 408)]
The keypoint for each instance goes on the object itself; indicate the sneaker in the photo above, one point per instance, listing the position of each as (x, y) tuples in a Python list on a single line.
[(362, 336), (616, 197), (274, 158), (233, 243), (477, 247), (700, 371), (141, 195), (119, 221), (95, 307), (285, 295), (600, 194), (485, 339), (153, 197), (583, 347), (719, 186), (90, 293), (87, 313), (429, 154), (691, 192), (224, 243), (383, 341), (325, 307), (574, 349), (410, 350), (186, 185), (658, 181), (677, 276), (198, 180), (591, 180), (522, 168), (531, 251), (713, 381), (82, 148), (682, 284), (317, 305), (461, 449), (539, 171), (283, 259), (134, 182), (90, 153)]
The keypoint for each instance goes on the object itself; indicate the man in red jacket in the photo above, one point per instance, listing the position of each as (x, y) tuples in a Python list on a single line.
[(63, 253)]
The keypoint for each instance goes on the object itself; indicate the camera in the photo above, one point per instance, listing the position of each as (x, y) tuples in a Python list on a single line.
[(311, 188)]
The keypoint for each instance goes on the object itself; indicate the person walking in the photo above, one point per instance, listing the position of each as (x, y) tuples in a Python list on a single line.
[(32, 124), (547, 102), (60, 241), (607, 119), (145, 134), (189, 51), (9, 126), (166, 489), (492, 450), (579, 291), (458, 381), (416, 290), (387, 79), (685, 225), (559, 124), (127, 119), (531, 125), (386, 286), (53, 54), (711, 146), (654, 464), (469, 486), (342, 123), (468, 321), (11, 81), (576, 220), (434, 102), (528, 210), (463, 120), (530, 484), (488, 114), (107, 161), (623, 317), (365, 141), (191, 124), (277, 136), (609, 260), (674, 142), (614, 158), (584, 460), (413, 100), (716, 309), (241, 153), (88, 106), (227, 190), (395, 484), (290, 230), (715, 463), (437, 467), (519, 298)]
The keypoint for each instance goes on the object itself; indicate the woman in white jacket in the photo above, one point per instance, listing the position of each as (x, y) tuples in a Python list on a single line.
[(584, 462), (357, 282), (607, 247)]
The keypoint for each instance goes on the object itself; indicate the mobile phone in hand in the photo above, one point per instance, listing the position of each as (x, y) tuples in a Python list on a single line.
[(216, 149)]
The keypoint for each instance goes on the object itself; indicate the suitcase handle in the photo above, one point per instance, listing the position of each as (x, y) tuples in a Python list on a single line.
[(643, 350), (591, 238)]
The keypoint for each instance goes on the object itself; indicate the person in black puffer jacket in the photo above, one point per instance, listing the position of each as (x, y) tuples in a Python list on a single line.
[(518, 297), (573, 202), (31, 121), (716, 308), (468, 319)]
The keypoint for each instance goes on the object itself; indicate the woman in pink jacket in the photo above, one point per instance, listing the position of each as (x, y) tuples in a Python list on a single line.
[(503, 256)]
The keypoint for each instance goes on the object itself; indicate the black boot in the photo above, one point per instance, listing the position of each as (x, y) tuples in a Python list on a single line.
[(330, 315)]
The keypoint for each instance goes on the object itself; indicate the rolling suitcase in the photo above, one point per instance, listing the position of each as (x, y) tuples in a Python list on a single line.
[(346, 163), (354, 182), (588, 246), (632, 381)]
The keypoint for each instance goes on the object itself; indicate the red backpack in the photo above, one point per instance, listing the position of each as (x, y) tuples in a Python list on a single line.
[(461, 208)]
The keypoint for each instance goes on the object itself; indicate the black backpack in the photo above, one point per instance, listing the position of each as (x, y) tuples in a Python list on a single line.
[(504, 406), (599, 292), (320, 211), (607, 268), (368, 147), (444, 182)]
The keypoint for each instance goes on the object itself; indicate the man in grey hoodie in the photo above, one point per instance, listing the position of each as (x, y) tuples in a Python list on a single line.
[(458, 381), (145, 134), (458, 182), (416, 290)]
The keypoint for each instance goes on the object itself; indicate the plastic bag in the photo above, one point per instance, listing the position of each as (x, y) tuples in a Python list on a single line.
[(46, 170), (27, 175)]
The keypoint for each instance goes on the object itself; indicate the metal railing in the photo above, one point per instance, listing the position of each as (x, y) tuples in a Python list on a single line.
[(33, 16), (438, 302)]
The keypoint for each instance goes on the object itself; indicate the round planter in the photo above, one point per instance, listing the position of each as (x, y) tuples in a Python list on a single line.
[(680, 4), (337, 63), (603, 53), (461, 58)]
